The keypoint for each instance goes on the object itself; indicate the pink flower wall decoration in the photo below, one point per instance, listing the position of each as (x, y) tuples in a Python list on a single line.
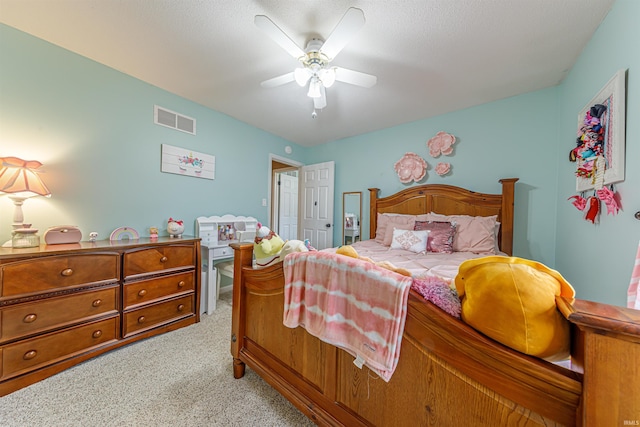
[(443, 168), (410, 167), (442, 143)]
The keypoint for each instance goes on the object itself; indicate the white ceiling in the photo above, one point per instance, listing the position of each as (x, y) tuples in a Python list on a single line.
[(430, 56)]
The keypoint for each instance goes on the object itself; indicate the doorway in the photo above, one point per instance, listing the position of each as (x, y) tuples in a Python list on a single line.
[(283, 196), (286, 204), (310, 208)]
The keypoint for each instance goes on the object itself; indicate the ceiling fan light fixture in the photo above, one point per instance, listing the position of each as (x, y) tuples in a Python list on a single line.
[(301, 76), (328, 76), (314, 88), (317, 56)]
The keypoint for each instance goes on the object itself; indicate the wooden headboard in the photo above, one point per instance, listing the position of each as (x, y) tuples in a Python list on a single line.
[(449, 200)]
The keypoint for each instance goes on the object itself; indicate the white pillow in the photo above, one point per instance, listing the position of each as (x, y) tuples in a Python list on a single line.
[(410, 240)]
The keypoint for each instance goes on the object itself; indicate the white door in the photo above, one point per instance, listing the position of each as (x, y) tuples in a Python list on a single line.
[(288, 210), (316, 216)]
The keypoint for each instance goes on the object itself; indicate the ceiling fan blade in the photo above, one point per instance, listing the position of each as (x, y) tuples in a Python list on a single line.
[(278, 81), (348, 26), (355, 77), (320, 102), (278, 36)]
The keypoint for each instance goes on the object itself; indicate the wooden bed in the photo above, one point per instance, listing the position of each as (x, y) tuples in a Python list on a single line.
[(448, 373)]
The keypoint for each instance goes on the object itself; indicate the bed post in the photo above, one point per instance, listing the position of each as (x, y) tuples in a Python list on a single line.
[(242, 257), (606, 348), (373, 217), (506, 214)]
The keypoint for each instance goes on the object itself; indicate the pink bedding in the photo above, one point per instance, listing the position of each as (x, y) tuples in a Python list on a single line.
[(360, 307), (443, 266)]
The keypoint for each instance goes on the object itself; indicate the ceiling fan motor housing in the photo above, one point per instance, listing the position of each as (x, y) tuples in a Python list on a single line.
[(314, 58)]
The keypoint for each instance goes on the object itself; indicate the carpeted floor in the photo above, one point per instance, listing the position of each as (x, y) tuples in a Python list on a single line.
[(182, 378)]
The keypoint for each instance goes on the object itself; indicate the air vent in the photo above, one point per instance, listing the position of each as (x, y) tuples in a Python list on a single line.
[(171, 119)]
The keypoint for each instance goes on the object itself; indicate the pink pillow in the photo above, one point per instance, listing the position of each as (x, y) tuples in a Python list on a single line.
[(440, 237), (388, 222), (473, 233)]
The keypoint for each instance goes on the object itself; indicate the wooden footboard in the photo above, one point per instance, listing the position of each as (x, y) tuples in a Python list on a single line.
[(448, 374)]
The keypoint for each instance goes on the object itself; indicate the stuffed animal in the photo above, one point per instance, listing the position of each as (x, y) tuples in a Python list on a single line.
[(350, 251), (291, 246), (267, 246)]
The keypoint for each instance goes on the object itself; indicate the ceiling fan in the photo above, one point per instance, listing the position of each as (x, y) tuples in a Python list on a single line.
[(316, 58)]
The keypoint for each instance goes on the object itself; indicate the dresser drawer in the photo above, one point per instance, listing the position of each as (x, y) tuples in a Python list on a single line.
[(54, 272), (47, 349), (150, 290), (145, 261), (27, 319), (154, 315)]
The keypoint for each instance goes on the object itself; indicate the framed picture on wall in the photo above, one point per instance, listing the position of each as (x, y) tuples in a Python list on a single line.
[(600, 145), (182, 161)]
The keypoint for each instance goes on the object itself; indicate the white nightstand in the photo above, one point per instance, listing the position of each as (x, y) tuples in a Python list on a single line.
[(351, 233)]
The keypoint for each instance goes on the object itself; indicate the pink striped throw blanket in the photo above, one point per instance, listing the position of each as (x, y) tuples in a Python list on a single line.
[(349, 303)]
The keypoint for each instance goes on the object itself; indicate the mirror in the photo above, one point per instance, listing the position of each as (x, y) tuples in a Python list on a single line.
[(351, 215)]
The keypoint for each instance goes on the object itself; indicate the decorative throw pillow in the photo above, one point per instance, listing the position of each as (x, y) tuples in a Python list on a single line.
[(513, 301), (441, 234), (473, 233), (410, 240), (388, 222)]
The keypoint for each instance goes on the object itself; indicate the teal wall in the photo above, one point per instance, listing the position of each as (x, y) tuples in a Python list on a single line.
[(93, 129), (498, 140), (598, 259)]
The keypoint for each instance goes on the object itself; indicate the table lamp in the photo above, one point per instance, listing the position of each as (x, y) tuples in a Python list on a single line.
[(19, 180)]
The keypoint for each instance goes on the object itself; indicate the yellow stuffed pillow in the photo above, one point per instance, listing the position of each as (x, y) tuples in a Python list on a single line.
[(512, 300)]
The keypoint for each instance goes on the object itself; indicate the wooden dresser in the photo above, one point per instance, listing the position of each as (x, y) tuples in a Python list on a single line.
[(63, 304)]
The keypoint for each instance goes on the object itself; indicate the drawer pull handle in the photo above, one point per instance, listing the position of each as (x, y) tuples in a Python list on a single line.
[(97, 334), (30, 355), (180, 307), (29, 318), (181, 283), (97, 303), (142, 292), (67, 272), (141, 319), (164, 259)]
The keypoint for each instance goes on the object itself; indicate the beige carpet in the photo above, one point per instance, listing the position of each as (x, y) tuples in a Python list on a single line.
[(182, 378)]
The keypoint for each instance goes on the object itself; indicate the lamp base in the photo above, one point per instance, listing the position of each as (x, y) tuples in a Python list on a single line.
[(23, 238)]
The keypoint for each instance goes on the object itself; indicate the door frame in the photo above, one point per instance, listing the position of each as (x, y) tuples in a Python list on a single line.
[(270, 194)]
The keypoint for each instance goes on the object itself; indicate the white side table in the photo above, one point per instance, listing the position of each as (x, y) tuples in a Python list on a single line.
[(351, 233), (209, 293)]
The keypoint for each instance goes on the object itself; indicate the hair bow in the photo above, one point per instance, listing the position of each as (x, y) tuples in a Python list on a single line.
[(610, 200), (579, 202)]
